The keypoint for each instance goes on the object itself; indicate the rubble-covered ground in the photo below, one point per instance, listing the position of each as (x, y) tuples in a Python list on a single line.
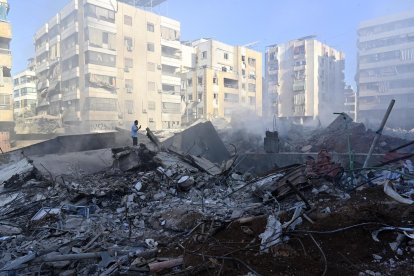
[(175, 209)]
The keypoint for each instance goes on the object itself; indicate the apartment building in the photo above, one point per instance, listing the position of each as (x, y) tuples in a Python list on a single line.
[(24, 92), (386, 69), (304, 80), (350, 103), (225, 79), (6, 86), (102, 64)]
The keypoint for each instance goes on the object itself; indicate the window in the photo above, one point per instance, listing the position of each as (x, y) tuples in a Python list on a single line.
[(127, 20), (252, 100), (151, 86), (5, 102), (150, 47), (252, 61), (204, 55), (169, 34), (190, 82), (129, 85), (129, 106), (215, 80), (151, 105), (171, 108), (243, 72), (151, 66), (200, 80), (16, 93), (243, 86), (150, 27), (252, 87), (129, 63), (226, 56)]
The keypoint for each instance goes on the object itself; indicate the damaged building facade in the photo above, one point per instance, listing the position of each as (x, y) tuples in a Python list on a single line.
[(385, 69), (6, 86), (103, 64), (225, 78), (303, 77)]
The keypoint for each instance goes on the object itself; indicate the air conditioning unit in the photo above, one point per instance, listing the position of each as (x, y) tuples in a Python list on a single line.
[(144, 111), (130, 48), (159, 67), (159, 90), (128, 89), (126, 69)]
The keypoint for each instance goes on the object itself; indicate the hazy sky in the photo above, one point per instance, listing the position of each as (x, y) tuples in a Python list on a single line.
[(236, 22)]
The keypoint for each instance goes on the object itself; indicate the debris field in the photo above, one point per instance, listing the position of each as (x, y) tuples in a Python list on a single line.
[(184, 207)]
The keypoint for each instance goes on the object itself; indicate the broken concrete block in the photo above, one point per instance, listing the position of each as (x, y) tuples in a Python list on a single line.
[(16, 171), (9, 230), (159, 195), (185, 183)]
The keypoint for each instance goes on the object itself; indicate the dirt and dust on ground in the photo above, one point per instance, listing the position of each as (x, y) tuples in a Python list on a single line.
[(183, 206)]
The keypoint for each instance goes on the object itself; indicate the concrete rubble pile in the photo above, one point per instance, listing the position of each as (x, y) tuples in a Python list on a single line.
[(184, 207)]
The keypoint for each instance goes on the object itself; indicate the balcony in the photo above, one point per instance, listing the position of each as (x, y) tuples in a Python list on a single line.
[(5, 58), (70, 74), (70, 52), (171, 61), (42, 49), (70, 95), (171, 44), (41, 32), (42, 84), (171, 80), (73, 28), (54, 40), (299, 67), (101, 24), (396, 32), (42, 67)]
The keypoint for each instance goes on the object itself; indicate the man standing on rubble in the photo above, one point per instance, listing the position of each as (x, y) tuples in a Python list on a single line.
[(134, 133)]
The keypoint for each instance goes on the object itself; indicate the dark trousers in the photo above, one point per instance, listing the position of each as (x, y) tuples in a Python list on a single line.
[(134, 141)]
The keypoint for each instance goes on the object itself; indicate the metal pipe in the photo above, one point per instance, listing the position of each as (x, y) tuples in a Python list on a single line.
[(379, 132)]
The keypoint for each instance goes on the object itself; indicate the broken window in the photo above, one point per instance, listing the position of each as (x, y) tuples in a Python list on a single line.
[(68, 20), (226, 56), (200, 80), (100, 59), (204, 55), (129, 85), (252, 62), (101, 81)]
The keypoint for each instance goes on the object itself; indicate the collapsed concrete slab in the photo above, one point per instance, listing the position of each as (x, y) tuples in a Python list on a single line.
[(200, 140), (20, 169)]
